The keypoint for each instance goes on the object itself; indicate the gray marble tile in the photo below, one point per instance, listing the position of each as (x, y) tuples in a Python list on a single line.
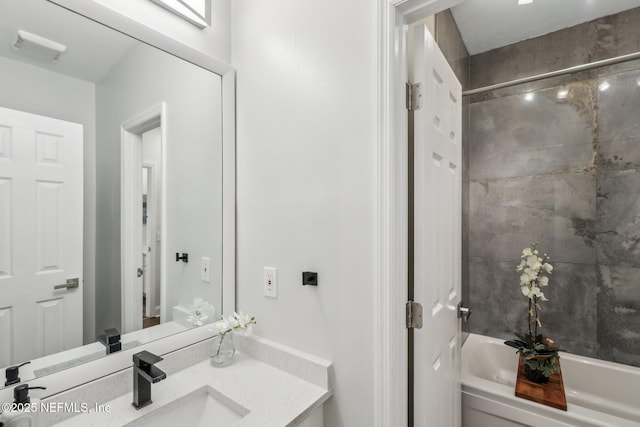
[(494, 298), (514, 136), (618, 124), (556, 210), (553, 51), (617, 34), (565, 172), (451, 44), (619, 314), (618, 68), (618, 223), (500, 309), (537, 85)]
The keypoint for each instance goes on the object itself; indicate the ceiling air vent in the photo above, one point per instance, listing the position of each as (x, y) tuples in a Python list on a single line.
[(37, 46)]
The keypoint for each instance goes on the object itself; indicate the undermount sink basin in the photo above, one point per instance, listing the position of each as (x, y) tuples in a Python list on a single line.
[(202, 407)]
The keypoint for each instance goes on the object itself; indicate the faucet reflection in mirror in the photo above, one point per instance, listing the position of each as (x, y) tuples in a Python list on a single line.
[(223, 347)]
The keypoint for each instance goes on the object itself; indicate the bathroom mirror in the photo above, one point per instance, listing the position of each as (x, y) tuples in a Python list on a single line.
[(111, 191)]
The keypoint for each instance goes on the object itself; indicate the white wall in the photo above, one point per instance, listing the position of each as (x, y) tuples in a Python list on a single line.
[(39, 91), (213, 41), (306, 150), (145, 78)]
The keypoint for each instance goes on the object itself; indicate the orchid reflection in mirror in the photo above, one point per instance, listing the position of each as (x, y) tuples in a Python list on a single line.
[(201, 311)]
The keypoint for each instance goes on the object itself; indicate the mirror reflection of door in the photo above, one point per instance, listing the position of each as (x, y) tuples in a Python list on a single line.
[(40, 235), (151, 234)]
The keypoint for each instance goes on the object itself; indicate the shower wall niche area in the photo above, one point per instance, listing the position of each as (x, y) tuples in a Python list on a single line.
[(558, 161)]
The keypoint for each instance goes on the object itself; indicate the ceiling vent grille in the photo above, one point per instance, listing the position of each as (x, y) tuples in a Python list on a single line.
[(38, 46)]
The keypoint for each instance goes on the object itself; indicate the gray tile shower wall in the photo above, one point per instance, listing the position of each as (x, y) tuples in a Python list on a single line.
[(564, 171)]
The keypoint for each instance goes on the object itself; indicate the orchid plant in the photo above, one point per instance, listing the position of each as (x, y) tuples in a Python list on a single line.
[(535, 270), (242, 322), (539, 355), (235, 322)]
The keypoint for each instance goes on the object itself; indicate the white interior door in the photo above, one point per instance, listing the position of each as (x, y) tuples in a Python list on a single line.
[(40, 235), (437, 236)]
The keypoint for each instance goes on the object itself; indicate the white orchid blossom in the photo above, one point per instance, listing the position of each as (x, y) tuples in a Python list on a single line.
[(534, 262), (532, 291), (222, 326), (535, 269), (235, 322)]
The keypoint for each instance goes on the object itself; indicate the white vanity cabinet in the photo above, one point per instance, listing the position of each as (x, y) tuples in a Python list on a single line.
[(266, 385)]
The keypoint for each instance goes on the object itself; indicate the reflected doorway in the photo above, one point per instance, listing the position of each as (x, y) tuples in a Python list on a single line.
[(151, 220), (142, 225)]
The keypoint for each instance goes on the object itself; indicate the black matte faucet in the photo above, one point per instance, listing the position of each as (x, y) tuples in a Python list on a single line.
[(145, 373), (12, 374)]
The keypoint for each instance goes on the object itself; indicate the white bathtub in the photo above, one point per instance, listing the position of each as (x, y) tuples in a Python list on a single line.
[(599, 393)]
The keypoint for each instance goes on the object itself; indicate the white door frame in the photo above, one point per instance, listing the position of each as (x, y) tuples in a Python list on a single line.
[(390, 358), (131, 212)]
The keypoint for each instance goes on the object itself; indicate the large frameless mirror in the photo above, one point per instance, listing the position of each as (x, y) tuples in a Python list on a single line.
[(111, 167)]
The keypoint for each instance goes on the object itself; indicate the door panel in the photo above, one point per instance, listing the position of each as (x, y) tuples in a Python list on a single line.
[(41, 185), (437, 238)]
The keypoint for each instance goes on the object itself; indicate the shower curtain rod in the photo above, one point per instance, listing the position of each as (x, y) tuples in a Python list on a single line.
[(574, 69)]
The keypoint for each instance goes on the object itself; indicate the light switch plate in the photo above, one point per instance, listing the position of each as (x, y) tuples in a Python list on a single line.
[(206, 270)]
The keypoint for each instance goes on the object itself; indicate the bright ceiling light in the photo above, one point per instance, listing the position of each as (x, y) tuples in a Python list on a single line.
[(638, 81), (604, 86), (520, 2), (529, 96), (562, 93), (194, 11)]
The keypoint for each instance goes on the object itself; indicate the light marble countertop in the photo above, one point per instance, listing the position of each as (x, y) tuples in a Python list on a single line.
[(271, 396)]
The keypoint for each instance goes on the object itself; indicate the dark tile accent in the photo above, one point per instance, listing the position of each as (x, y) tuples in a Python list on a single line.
[(618, 226), (619, 314), (513, 136), (557, 210), (500, 309)]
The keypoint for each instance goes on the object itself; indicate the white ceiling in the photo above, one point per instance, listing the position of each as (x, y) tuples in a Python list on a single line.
[(489, 24), (92, 49)]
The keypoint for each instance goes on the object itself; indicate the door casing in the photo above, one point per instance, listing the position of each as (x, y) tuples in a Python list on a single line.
[(390, 358), (131, 214)]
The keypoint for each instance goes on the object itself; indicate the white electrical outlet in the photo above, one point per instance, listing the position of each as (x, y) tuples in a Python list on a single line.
[(206, 267), (270, 282)]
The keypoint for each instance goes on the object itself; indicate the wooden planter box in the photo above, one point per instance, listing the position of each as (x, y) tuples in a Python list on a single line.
[(550, 394)]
